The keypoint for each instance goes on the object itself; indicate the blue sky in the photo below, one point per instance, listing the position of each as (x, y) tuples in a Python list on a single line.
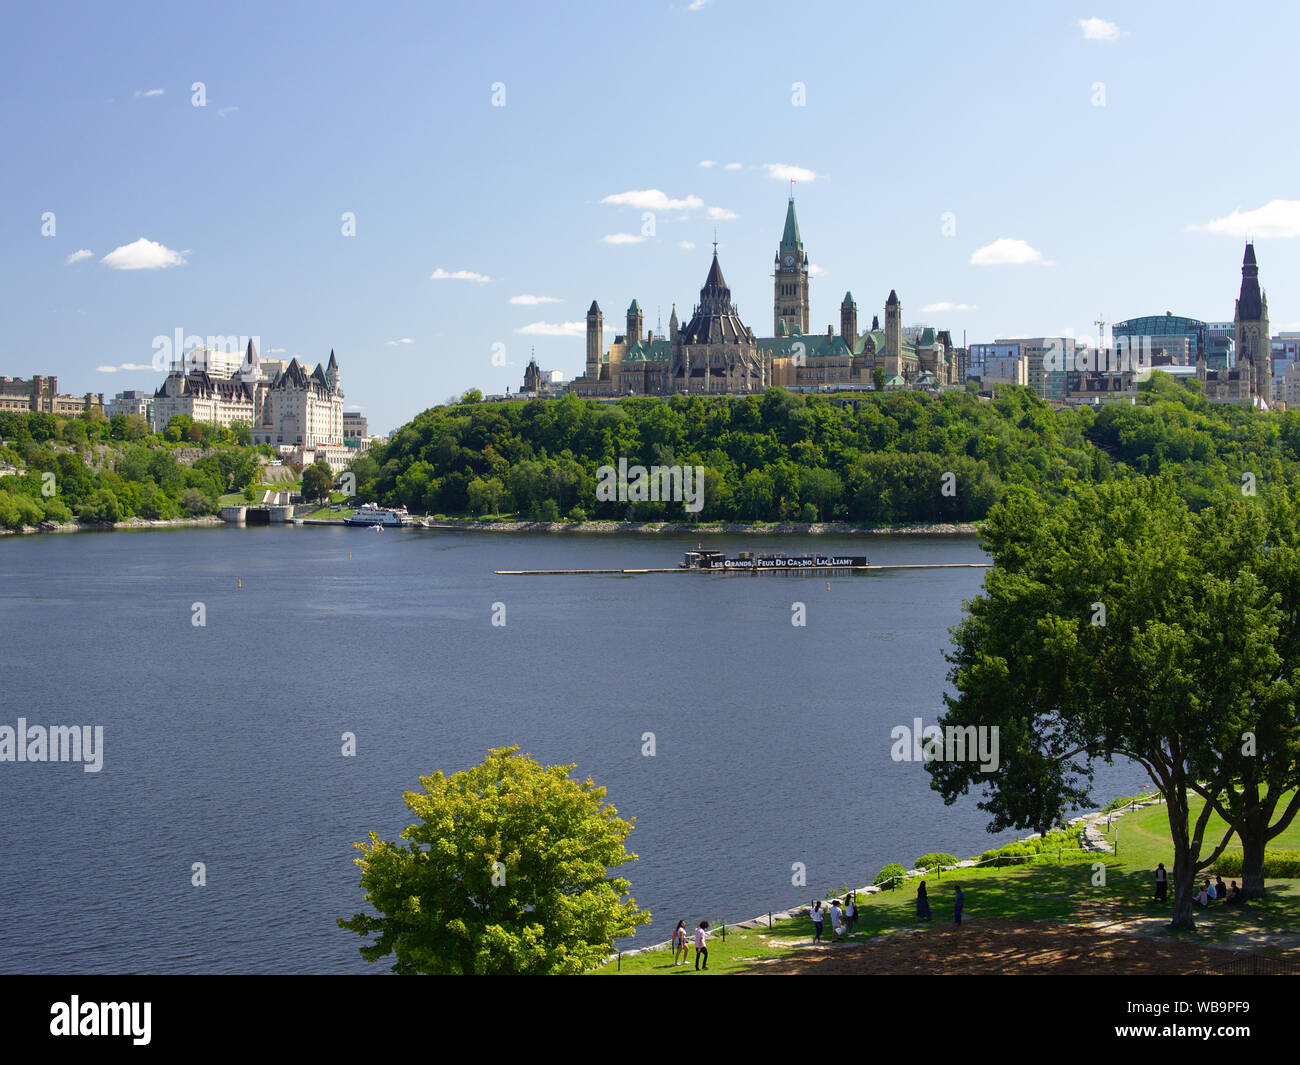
[(1112, 150)]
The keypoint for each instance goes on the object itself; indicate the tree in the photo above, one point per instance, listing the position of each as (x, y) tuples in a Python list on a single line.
[(317, 481), (878, 377), (506, 872), (1103, 632)]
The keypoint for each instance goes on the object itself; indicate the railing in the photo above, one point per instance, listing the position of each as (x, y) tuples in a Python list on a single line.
[(1255, 965)]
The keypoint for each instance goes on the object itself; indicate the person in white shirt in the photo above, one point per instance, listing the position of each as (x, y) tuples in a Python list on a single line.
[(837, 919), (702, 945)]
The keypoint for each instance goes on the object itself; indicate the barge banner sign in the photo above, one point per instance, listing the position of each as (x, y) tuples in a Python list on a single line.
[(789, 562)]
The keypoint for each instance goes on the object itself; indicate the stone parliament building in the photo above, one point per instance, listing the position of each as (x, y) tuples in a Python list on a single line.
[(717, 353)]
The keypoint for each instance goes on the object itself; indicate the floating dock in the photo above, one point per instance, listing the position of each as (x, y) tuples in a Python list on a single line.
[(804, 569)]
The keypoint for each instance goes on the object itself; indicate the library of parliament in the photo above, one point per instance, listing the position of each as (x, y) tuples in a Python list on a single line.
[(715, 352)]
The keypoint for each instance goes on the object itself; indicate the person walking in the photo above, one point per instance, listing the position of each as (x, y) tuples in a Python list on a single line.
[(837, 921), (702, 946), (680, 944), (922, 903), (958, 903), (818, 917), (851, 913), (1162, 882)]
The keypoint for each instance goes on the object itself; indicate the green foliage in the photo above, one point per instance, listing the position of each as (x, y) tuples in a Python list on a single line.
[(317, 482), (876, 458), (506, 872), (1120, 622), (935, 861), (888, 873), (1277, 864)]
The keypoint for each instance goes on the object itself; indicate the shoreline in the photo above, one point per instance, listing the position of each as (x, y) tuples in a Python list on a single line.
[(598, 528), (130, 525), (677, 528)]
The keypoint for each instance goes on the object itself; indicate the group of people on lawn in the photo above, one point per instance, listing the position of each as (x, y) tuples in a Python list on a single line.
[(1210, 892)]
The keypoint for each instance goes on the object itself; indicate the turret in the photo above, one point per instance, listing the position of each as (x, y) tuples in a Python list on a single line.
[(595, 334), (672, 325), (893, 325), (635, 324), (849, 320)]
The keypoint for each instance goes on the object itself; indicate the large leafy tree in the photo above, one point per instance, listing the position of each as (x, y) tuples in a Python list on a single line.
[(1115, 625), (506, 872)]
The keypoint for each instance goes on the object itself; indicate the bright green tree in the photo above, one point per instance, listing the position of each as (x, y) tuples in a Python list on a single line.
[(317, 481), (506, 872)]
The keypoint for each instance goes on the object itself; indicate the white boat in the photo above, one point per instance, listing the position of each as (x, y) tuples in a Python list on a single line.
[(376, 517)]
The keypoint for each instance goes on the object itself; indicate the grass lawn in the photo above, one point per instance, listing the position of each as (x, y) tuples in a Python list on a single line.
[(1064, 890)]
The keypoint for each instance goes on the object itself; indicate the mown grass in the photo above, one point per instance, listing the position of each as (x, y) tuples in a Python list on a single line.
[(1076, 886)]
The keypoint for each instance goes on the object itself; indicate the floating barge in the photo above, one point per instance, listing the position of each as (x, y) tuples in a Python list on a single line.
[(700, 561)]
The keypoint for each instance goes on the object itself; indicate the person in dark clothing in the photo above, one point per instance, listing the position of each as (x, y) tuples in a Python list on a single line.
[(1162, 882), (922, 903), (958, 904), (1235, 897)]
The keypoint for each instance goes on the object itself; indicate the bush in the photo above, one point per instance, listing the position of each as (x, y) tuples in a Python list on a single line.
[(935, 861), (1011, 854), (1277, 864), (893, 869)]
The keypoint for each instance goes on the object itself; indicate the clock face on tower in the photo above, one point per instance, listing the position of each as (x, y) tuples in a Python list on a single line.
[(789, 260)]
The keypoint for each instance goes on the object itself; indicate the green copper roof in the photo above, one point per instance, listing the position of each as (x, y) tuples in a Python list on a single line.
[(815, 346), (654, 351), (848, 300), (635, 308), (790, 238)]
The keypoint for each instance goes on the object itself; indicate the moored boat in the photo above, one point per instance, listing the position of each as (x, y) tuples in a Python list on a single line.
[(748, 560), (372, 515)]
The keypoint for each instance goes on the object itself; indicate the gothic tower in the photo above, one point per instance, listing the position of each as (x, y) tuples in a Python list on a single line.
[(635, 324), (595, 333), (849, 320), (893, 328), (791, 290), (1250, 330), (672, 325)]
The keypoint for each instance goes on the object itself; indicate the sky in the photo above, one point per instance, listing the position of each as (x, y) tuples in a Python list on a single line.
[(434, 191)]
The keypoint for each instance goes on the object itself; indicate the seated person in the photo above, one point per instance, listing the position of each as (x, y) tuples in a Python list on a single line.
[(1235, 897), (1203, 898), (1220, 889)]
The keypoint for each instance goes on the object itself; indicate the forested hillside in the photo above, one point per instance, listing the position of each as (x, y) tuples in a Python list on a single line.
[(782, 456)]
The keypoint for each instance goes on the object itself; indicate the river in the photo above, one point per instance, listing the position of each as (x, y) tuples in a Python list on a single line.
[(222, 741)]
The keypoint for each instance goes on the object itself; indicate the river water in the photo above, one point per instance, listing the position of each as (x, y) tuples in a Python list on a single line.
[(222, 741)]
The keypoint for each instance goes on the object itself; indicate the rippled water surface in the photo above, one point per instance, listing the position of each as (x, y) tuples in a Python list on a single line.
[(222, 742)]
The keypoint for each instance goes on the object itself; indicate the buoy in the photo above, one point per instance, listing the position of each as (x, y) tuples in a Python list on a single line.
[(828, 586), (239, 584)]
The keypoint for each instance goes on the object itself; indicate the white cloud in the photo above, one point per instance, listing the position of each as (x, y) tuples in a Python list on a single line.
[(1006, 251), (554, 329), (696, 5), (274, 351), (399, 340), (128, 366), (457, 275), (532, 301), (947, 305), (148, 92), (686, 244), (621, 238), (77, 256), (721, 214), (1277, 218), (143, 255), (224, 111), (733, 166), (786, 172), (815, 271), (653, 200), (707, 163), (1096, 29)]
